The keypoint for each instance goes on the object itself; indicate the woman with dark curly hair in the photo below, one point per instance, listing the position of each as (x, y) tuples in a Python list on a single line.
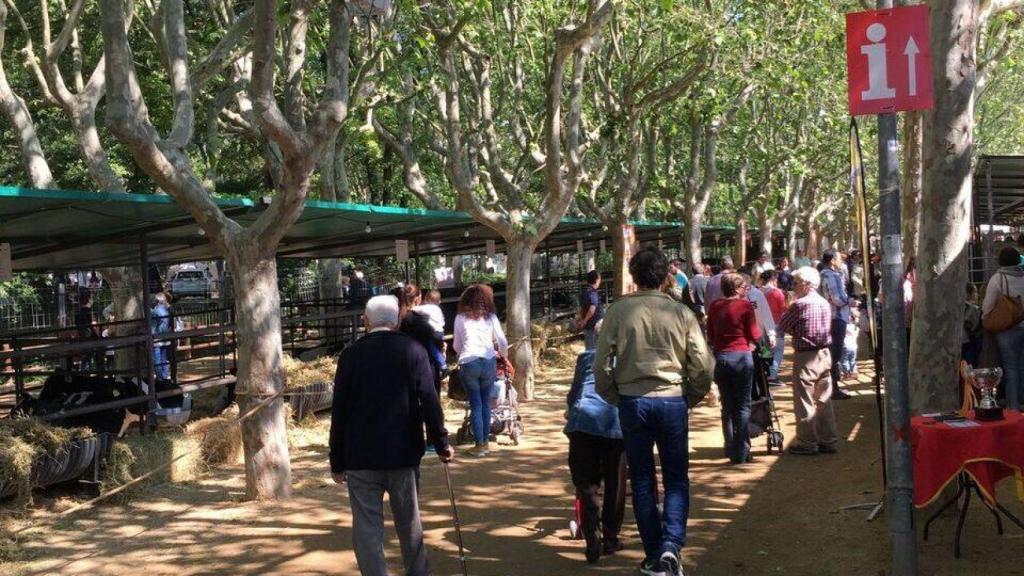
[(477, 331)]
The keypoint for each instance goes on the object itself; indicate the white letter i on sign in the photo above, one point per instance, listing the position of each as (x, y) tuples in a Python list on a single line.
[(878, 77)]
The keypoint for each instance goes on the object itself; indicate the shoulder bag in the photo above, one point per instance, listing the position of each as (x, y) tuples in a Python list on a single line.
[(1007, 312)]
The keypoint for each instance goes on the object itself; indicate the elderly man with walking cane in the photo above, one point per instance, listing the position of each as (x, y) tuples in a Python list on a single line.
[(383, 395)]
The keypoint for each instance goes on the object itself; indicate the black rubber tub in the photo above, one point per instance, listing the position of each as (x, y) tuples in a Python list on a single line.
[(310, 399), (79, 459)]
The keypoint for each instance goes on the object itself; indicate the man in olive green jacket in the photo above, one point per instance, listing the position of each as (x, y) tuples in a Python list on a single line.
[(653, 363)]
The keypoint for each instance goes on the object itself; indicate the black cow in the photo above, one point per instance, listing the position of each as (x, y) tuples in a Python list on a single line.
[(65, 391)]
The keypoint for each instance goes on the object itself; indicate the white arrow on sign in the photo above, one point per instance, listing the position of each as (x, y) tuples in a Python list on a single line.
[(911, 53)]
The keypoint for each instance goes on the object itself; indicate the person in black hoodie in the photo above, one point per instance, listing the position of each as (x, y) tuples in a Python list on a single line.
[(383, 396)]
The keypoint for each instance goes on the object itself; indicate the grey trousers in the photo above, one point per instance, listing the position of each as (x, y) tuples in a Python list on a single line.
[(366, 494)]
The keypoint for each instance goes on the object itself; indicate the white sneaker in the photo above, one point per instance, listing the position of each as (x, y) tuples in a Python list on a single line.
[(670, 564), (652, 568)]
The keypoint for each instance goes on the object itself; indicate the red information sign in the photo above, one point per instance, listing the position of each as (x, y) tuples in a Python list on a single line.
[(888, 60)]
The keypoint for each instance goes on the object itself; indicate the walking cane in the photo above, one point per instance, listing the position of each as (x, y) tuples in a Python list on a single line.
[(455, 516)]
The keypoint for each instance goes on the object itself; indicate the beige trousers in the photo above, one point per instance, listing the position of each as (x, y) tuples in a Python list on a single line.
[(812, 400)]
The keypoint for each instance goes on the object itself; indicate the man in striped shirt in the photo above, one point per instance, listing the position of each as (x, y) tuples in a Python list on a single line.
[(809, 321)]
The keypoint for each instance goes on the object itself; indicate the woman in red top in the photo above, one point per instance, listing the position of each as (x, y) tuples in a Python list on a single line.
[(732, 333)]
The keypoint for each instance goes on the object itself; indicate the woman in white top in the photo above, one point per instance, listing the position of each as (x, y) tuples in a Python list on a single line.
[(477, 333), (1009, 281)]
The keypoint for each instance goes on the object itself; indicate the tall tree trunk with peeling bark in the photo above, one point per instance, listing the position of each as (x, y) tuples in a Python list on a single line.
[(704, 153), (792, 228), (471, 151), (742, 237), (937, 323), (249, 251), (692, 239), (517, 311), (260, 371), (620, 263), (765, 223), (331, 270), (632, 155), (813, 244), (910, 188), (699, 185)]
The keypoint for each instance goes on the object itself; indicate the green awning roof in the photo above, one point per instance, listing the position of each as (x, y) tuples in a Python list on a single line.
[(63, 229)]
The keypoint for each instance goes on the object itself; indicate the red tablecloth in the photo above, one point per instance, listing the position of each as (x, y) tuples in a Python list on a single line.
[(989, 453)]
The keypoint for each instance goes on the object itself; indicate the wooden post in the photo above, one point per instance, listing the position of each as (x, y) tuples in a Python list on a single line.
[(547, 276), (145, 314), (416, 256)]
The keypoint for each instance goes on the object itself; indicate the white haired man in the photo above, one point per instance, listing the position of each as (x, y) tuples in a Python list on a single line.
[(383, 395), (808, 321)]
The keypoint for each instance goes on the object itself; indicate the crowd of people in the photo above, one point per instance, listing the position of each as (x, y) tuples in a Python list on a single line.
[(649, 359)]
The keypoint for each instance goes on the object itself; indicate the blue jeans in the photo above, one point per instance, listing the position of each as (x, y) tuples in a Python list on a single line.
[(836, 350), (161, 363), (589, 339), (664, 422), (478, 378), (734, 374), (1011, 357), (436, 356), (848, 361), (780, 348)]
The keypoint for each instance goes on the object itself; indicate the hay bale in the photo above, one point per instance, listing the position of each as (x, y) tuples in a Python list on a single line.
[(11, 549), (308, 432), (299, 373), (117, 468), (219, 437), (16, 459), (23, 442), (203, 443), (537, 329), (153, 450)]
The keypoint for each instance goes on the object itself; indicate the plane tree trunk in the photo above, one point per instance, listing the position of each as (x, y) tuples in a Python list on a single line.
[(945, 220)]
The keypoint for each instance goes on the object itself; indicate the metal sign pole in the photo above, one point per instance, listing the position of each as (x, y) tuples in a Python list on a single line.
[(899, 461)]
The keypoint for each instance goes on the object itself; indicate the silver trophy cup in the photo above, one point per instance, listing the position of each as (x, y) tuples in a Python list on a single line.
[(986, 381)]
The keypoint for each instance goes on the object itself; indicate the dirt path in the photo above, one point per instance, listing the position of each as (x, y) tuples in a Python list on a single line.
[(777, 516)]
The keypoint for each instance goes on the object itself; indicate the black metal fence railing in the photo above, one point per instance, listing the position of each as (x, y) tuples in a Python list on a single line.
[(201, 330)]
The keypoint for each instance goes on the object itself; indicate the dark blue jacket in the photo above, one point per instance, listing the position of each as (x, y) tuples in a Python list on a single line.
[(588, 412), (383, 395)]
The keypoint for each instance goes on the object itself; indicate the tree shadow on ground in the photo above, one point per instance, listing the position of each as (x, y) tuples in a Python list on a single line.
[(780, 515)]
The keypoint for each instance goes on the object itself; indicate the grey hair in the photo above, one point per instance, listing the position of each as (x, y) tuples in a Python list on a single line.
[(381, 311), (809, 275)]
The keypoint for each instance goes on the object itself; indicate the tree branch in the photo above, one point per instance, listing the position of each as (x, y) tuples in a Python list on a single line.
[(989, 8), (224, 51), (129, 120), (675, 89), (17, 113), (568, 40), (177, 64)]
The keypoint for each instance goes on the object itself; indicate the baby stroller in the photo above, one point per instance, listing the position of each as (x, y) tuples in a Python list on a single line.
[(763, 418), (505, 418)]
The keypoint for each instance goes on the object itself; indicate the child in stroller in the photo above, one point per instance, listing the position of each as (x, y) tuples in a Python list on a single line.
[(505, 417), (763, 418)]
